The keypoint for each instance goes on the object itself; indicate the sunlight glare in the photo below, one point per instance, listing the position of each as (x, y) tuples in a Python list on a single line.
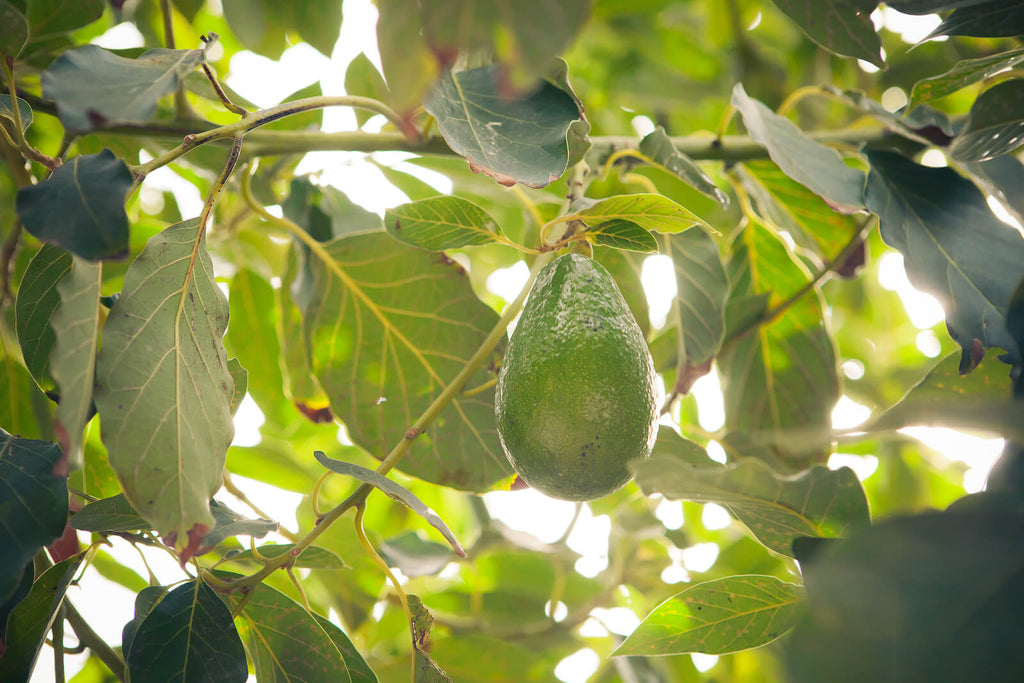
[(121, 37), (862, 465), (531, 512), (923, 309), (707, 391), (715, 517), (659, 280), (248, 420), (508, 282), (700, 557), (848, 413), (578, 667), (703, 663), (670, 513), (618, 620)]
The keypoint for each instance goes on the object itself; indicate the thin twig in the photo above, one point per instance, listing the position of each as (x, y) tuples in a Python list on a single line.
[(94, 641)]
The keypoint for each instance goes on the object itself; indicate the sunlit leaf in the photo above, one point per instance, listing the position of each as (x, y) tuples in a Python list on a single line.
[(7, 110), (649, 211), (388, 327), (441, 223), (409, 66), (94, 88), (260, 26), (964, 73), (622, 234), (163, 387), (840, 26), (995, 125), (32, 618), (38, 300), (810, 163), (33, 502), (512, 138), (76, 324), (953, 247), (425, 669), (658, 147), (240, 378), (392, 490), (187, 635), (993, 19), (312, 557), (363, 79), (286, 642), (779, 379), (777, 509), (718, 617), (80, 207)]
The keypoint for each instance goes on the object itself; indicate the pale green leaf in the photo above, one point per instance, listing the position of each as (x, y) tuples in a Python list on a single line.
[(76, 324), (964, 73), (718, 617), (163, 387), (312, 557), (623, 234), (649, 211), (37, 302), (441, 223), (7, 110)]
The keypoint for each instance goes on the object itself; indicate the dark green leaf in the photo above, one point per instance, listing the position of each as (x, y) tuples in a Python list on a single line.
[(718, 617), (945, 398), (415, 555), (109, 515), (287, 643), (1004, 178), (76, 325), (702, 290), (94, 88), (994, 19), (38, 300), (15, 33), (230, 523), (81, 206), (930, 6), (513, 139), (312, 557), (649, 211), (144, 603), (162, 392), (658, 147), (995, 125), (933, 597), (189, 8), (810, 163), (32, 618), (388, 327), (13, 589), (240, 378), (7, 110), (47, 20), (441, 223), (779, 380), (820, 502), (840, 26), (392, 490), (953, 247), (188, 635), (963, 74), (622, 234), (33, 502)]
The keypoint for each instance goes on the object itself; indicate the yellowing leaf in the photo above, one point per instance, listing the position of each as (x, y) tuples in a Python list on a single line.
[(650, 211)]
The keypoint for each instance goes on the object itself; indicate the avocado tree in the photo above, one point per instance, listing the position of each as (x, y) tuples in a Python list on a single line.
[(777, 160)]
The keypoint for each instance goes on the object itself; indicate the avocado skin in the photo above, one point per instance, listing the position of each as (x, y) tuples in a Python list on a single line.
[(575, 400)]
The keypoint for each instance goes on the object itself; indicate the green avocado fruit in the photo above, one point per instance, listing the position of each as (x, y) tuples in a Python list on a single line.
[(576, 400)]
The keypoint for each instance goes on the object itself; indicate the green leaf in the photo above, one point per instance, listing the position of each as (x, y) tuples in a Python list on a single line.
[(931, 597), (230, 523), (964, 73), (1003, 177), (7, 110), (240, 377), (945, 398), (13, 589), (415, 555), (147, 598), (388, 327), (363, 79), (358, 670), (109, 515), (658, 147), (441, 223), (15, 33), (995, 125), (506, 661), (76, 324), (840, 26), (312, 557), (80, 207), (718, 617), (318, 22), (326, 212), (953, 247), (95, 88), (53, 18), (819, 502), (994, 19), (286, 642), (260, 26), (187, 635), (649, 211), (797, 210), (163, 387), (622, 234), (33, 502), (410, 68), (38, 300), (702, 291), (425, 669), (779, 380), (392, 490), (810, 163), (930, 6), (512, 138), (32, 618)]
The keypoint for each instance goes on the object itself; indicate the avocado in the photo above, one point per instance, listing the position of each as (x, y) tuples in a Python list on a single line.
[(576, 399)]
